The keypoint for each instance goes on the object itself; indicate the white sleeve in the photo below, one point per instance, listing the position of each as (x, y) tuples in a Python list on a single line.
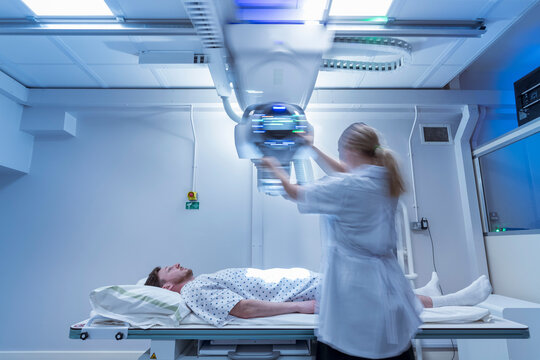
[(325, 196)]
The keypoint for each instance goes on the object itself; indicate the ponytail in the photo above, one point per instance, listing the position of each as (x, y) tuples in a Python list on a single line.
[(387, 159), (364, 139)]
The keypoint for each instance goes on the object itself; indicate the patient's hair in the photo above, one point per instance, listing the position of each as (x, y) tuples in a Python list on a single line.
[(153, 278)]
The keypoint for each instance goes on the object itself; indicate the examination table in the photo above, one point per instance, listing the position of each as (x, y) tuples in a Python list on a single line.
[(291, 337)]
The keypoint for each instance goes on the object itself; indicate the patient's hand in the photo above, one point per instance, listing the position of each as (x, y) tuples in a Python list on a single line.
[(306, 307), (425, 300)]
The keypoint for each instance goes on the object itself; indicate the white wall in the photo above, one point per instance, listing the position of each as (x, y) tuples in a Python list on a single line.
[(437, 189), (106, 206), (15, 145)]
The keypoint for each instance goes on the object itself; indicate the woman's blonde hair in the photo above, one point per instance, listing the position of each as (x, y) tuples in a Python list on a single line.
[(364, 139)]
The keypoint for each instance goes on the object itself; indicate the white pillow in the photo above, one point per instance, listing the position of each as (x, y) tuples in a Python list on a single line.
[(142, 281), (141, 306)]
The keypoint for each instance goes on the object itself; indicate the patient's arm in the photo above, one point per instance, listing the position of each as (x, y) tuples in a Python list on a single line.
[(250, 308)]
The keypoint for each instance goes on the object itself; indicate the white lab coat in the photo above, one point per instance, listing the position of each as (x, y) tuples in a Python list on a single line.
[(367, 307)]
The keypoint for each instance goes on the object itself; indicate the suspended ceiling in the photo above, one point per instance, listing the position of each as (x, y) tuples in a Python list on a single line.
[(93, 61)]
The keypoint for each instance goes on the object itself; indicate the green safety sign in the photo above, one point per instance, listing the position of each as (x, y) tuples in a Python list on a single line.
[(192, 205)]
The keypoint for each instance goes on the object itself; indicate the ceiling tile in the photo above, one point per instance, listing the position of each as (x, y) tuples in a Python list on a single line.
[(427, 50), (65, 76), (442, 76), (339, 78), (474, 47), (23, 49), (504, 9), (168, 43), (18, 75), (125, 76), (103, 49), (14, 9), (439, 10), (144, 9), (191, 77), (402, 78)]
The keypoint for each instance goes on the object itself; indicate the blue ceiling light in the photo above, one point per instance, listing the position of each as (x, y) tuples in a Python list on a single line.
[(267, 4), (280, 11)]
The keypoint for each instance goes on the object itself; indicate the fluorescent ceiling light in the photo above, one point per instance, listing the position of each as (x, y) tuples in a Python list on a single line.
[(360, 7), (313, 10), (69, 7)]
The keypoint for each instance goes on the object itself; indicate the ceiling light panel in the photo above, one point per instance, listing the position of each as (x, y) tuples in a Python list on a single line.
[(69, 7), (280, 11), (360, 7)]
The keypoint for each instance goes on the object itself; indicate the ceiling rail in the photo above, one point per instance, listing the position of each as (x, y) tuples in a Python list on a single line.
[(97, 27)]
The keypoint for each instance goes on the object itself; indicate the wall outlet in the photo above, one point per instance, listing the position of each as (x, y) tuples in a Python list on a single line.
[(416, 225), (420, 225)]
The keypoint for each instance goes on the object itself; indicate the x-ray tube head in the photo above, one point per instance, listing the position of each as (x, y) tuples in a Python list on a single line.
[(272, 129)]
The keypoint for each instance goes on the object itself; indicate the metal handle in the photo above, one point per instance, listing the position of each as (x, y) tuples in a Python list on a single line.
[(233, 355)]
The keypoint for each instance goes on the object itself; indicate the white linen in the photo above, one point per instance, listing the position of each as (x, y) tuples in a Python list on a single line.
[(455, 314), (367, 307), (141, 306), (212, 296), (447, 315)]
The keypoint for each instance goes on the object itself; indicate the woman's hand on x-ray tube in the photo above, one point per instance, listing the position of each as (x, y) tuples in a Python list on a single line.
[(274, 165)]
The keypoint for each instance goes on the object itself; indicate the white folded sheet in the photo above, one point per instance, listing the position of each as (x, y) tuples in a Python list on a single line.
[(455, 314)]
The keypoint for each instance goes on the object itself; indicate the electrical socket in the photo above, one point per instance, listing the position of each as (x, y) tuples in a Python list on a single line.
[(416, 225), (420, 225)]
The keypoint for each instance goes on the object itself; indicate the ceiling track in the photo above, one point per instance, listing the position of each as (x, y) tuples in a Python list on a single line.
[(204, 23), (97, 28), (348, 26)]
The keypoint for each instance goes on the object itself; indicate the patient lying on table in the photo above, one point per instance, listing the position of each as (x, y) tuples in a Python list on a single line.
[(249, 293)]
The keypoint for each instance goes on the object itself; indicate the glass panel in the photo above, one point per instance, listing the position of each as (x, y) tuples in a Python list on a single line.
[(511, 181), (496, 123)]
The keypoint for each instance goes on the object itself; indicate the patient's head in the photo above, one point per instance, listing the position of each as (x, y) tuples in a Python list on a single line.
[(172, 277)]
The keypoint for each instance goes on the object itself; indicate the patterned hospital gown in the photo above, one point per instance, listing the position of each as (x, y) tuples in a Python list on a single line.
[(212, 296)]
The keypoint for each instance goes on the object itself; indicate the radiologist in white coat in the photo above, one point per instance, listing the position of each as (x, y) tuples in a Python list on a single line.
[(367, 308)]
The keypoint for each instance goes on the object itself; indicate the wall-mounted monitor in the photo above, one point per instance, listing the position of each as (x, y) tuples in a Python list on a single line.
[(527, 93)]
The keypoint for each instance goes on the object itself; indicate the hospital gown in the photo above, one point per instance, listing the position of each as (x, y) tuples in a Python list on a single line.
[(212, 296)]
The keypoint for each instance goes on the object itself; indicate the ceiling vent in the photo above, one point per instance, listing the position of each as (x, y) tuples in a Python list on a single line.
[(204, 18), (435, 134)]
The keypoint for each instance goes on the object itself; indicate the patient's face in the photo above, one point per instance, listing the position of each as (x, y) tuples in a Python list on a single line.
[(174, 274)]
